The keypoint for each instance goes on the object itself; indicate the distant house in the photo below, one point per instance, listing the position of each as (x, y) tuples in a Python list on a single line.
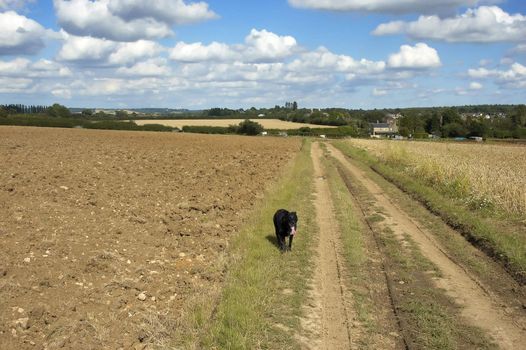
[(383, 129)]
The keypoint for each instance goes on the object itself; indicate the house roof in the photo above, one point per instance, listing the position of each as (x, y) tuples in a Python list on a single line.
[(380, 125)]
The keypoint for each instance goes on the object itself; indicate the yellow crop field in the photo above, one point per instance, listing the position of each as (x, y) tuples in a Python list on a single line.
[(267, 123), (482, 175)]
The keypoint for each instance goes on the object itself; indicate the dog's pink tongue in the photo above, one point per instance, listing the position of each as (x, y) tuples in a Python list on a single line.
[(293, 231)]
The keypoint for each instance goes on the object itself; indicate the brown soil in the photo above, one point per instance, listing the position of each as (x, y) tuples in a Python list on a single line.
[(91, 222), (479, 307), (329, 312)]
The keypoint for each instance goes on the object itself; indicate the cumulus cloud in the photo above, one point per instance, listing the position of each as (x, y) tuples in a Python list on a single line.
[(85, 49), (483, 24), (148, 68), (379, 92), (265, 45), (384, 6), (324, 60), (127, 20), (197, 52), (260, 46), (15, 85), (475, 86), (419, 56), (13, 4), (514, 77), (167, 11), (20, 35), (22, 67), (125, 53)]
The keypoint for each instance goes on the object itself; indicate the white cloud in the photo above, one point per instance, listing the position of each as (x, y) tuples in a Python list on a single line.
[(197, 52), (127, 20), (20, 35), (265, 45), (85, 48), (419, 56), (260, 46), (62, 93), (22, 67), (132, 51), (167, 11), (384, 6), (483, 24), (324, 60), (475, 86), (150, 68), (13, 4), (379, 92), (15, 85), (514, 77), (105, 52)]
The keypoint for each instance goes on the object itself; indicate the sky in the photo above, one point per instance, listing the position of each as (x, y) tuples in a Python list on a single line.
[(244, 53)]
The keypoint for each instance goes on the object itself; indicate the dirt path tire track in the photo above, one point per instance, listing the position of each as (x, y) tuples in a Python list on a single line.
[(330, 312), (479, 308)]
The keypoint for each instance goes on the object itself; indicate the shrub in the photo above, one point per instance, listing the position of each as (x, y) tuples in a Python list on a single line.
[(248, 127)]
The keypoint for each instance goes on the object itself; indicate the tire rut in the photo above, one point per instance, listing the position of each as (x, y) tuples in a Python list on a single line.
[(329, 312), (479, 308)]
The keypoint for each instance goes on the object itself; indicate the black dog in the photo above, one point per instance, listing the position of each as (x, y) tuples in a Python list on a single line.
[(285, 224)]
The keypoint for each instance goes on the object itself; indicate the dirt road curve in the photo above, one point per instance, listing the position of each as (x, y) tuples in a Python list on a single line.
[(479, 308), (329, 316)]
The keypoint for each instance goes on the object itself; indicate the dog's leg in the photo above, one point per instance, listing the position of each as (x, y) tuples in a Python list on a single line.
[(282, 244), (290, 241)]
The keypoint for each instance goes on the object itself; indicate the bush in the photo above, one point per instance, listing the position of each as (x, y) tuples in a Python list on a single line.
[(58, 111), (207, 129), (248, 127)]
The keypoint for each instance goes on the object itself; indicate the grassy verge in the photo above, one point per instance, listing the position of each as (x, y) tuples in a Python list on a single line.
[(264, 290), (428, 318), (499, 239)]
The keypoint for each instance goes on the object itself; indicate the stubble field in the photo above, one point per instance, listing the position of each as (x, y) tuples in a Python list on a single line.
[(266, 123), (108, 238)]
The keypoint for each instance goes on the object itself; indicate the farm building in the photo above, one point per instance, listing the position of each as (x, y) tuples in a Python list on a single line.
[(383, 129)]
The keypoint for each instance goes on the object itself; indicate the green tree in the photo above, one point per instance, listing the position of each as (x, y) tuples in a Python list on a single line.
[(58, 111), (87, 112), (121, 114), (518, 117), (433, 124), (248, 127), (454, 130), (451, 115), (3, 112)]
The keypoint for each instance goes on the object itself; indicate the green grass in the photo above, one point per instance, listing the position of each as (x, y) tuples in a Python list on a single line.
[(265, 288), (503, 240)]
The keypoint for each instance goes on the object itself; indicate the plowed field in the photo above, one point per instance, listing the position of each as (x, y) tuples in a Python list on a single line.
[(106, 237)]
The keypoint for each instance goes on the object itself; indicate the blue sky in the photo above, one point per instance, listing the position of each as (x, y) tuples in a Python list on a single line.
[(321, 53)]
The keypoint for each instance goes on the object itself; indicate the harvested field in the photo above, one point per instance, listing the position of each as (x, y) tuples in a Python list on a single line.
[(107, 237), (267, 123)]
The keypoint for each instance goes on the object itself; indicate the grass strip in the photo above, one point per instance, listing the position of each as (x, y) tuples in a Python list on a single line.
[(508, 246), (264, 289)]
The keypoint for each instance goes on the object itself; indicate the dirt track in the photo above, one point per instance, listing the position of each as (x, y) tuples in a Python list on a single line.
[(479, 307), (328, 319), (108, 236)]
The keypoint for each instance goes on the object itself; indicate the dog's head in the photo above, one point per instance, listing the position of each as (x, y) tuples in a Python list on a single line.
[(293, 222)]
